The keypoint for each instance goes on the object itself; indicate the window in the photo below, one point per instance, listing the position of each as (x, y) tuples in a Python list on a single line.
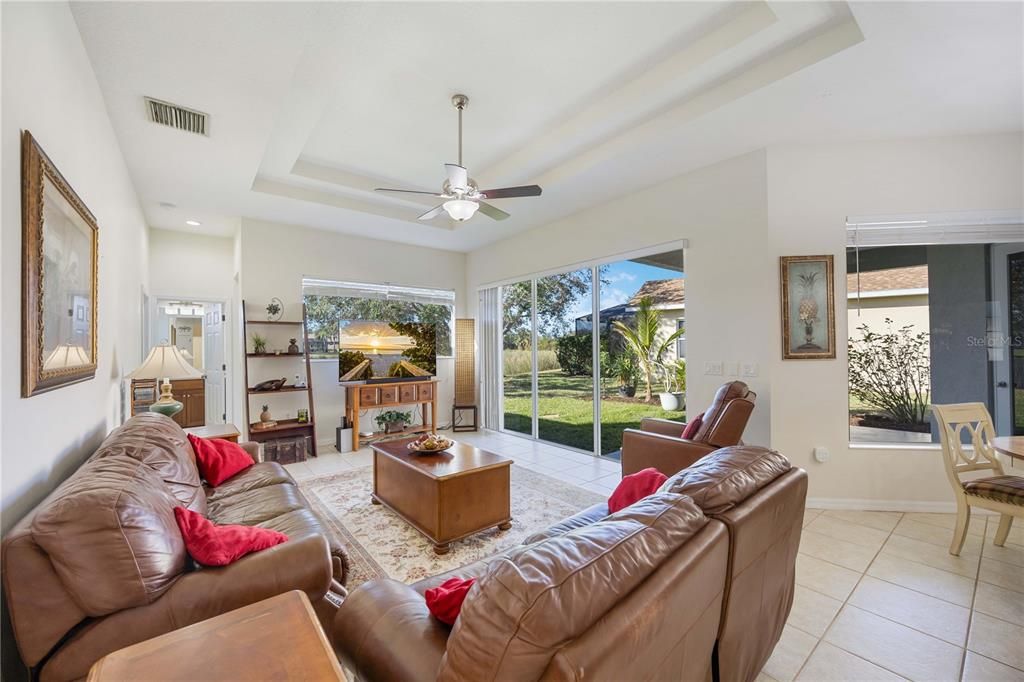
[(681, 341), (328, 302), (933, 322)]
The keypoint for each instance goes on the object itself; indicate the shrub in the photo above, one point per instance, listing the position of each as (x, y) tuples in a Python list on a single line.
[(892, 371), (575, 354)]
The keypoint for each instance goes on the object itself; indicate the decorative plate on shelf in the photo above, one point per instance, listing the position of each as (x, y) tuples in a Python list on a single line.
[(430, 443)]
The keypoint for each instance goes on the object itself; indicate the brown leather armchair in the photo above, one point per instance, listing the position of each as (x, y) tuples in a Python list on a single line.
[(658, 443)]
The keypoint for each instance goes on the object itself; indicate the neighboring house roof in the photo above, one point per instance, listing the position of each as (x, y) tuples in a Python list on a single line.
[(664, 293), (893, 279)]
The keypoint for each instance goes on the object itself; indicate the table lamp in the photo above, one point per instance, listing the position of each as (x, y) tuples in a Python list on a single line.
[(166, 362)]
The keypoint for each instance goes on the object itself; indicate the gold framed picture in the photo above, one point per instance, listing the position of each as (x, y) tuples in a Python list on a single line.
[(59, 272), (808, 308)]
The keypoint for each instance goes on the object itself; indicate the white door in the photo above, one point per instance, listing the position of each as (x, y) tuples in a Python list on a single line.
[(215, 364)]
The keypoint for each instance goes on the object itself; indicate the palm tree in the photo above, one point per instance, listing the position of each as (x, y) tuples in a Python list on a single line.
[(643, 340)]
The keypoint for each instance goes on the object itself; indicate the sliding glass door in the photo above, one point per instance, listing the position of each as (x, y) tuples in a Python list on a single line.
[(557, 389), (565, 360), (517, 356), (642, 311)]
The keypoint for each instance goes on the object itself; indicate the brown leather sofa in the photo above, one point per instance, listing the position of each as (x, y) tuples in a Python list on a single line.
[(616, 597), (100, 563), (659, 443)]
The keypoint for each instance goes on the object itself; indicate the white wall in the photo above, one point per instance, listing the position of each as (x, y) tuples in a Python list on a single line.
[(274, 258), (184, 265), (739, 217), (49, 88)]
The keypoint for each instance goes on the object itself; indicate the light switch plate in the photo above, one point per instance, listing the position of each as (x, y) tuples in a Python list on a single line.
[(713, 369), (750, 369)]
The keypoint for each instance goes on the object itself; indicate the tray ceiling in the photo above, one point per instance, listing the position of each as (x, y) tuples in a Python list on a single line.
[(312, 105)]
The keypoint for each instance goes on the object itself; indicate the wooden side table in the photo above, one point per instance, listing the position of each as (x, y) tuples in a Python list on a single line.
[(275, 639), (221, 431)]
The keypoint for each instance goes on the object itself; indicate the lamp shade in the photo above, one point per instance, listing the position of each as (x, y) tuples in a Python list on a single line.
[(465, 362), (166, 362), (66, 355), (461, 209)]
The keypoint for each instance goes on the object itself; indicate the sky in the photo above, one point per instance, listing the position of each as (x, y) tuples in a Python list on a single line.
[(624, 278)]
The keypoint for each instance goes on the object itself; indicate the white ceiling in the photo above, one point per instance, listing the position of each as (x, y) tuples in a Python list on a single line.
[(313, 104)]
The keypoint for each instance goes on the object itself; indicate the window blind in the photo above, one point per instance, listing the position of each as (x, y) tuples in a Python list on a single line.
[(973, 227), (383, 292)]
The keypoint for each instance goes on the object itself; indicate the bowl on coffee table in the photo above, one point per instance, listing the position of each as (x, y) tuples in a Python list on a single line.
[(430, 443)]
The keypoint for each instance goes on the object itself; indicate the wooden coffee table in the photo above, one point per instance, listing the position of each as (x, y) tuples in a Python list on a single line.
[(446, 496)]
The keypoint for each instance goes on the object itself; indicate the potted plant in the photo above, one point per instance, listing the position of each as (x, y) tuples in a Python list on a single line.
[(674, 374), (393, 421), (259, 344), (625, 370)]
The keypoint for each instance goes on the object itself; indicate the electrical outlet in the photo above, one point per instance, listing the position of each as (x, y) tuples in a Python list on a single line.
[(750, 369), (713, 369)]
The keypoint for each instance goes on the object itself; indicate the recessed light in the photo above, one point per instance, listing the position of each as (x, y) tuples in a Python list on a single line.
[(193, 223)]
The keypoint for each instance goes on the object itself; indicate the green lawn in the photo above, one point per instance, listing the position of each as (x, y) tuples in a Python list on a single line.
[(566, 411)]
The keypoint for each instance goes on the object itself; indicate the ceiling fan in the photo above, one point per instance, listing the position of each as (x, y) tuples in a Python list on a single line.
[(462, 196)]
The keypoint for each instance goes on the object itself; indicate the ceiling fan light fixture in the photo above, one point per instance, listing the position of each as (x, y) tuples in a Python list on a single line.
[(461, 209)]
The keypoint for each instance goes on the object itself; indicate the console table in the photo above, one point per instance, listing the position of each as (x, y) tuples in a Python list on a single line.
[(363, 396)]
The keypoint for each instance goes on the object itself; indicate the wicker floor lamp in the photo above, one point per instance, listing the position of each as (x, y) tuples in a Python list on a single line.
[(465, 376)]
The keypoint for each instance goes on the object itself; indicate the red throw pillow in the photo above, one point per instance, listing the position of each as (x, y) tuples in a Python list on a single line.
[(445, 600), (692, 427), (213, 545), (217, 459), (635, 487)]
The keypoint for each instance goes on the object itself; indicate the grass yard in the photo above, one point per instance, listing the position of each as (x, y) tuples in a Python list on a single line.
[(566, 412)]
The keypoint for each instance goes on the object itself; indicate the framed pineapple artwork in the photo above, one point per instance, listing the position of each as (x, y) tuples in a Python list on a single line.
[(808, 309)]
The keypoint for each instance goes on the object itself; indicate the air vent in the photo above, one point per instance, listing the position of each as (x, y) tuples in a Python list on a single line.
[(167, 114)]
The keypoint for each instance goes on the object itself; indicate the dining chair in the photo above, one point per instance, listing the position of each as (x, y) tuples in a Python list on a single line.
[(998, 492)]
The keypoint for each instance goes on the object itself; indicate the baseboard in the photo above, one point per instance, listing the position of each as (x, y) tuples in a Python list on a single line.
[(851, 504)]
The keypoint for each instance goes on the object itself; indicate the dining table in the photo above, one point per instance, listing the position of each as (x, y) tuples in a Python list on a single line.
[(1011, 446)]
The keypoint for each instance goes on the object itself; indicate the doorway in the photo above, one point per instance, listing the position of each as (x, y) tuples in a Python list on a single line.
[(1006, 337), (198, 328)]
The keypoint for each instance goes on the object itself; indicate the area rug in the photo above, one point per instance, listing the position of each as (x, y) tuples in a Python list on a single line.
[(380, 544)]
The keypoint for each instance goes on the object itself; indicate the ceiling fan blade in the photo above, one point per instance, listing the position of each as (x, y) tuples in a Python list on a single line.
[(492, 211), (458, 177), (432, 213), (407, 191), (510, 192)]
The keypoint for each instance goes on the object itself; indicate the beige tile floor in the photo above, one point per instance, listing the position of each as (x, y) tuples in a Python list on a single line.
[(878, 596)]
